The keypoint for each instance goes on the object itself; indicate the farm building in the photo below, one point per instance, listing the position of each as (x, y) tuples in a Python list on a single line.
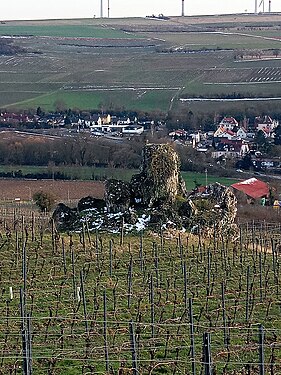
[(251, 190)]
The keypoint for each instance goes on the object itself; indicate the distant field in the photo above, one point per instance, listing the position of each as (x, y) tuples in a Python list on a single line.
[(62, 190), (88, 173), (118, 63), (74, 172), (222, 40), (66, 31), (133, 99)]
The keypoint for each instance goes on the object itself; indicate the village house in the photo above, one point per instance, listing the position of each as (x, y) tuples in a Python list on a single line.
[(133, 130), (266, 124), (251, 190), (242, 133), (231, 148), (228, 123), (224, 133)]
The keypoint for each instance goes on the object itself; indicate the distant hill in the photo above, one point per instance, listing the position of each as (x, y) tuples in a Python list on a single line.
[(144, 64)]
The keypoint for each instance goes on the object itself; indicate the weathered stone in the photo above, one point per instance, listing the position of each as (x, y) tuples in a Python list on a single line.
[(159, 182), (117, 196), (213, 211), (90, 203), (65, 217)]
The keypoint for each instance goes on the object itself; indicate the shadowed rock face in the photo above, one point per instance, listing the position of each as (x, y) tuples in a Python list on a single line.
[(117, 196), (89, 202), (158, 184), (64, 216)]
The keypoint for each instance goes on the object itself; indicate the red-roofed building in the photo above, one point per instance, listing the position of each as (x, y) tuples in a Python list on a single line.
[(228, 123), (253, 189), (266, 124)]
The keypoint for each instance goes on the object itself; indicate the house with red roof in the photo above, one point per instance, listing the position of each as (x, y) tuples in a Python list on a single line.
[(251, 189), (228, 123), (266, 124)]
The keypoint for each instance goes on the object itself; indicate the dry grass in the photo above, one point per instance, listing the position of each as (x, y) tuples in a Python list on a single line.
[(268, 214)]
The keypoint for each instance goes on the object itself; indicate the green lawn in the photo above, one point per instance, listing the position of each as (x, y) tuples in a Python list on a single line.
[(200, 178)]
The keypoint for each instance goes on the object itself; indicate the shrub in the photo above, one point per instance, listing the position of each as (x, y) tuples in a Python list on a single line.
[(44, 200)]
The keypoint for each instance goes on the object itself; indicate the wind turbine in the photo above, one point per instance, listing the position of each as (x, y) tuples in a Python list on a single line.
[(182, 8), (262, 4), (256, 6), (101, 9)]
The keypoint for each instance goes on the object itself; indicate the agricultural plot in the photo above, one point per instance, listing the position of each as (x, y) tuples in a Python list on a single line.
[(246, 75), (87, 64), (23, 190), (65, 31), (217, 40), (99, 303)]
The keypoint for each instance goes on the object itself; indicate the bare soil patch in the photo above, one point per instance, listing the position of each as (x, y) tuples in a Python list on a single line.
[(10, 189)]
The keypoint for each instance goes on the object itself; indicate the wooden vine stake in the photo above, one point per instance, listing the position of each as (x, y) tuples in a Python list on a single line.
[(106, 355), (133, 348)]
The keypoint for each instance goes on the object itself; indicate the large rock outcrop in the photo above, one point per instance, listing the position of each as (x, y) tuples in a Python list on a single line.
[(159, 182), (155, 198), (211, 211)]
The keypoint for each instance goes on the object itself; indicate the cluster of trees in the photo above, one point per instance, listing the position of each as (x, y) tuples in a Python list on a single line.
[(80, 150)]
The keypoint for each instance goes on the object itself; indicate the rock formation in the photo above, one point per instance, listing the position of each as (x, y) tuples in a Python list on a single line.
[(156, 197), (213, 210), (159, 182)]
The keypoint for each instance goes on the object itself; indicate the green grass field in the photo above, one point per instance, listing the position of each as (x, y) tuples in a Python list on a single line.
[(221, 40), (65, 31), (88, 173), (136, 99)]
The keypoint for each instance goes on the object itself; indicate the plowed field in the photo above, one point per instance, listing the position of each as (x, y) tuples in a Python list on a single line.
[(11, 189)]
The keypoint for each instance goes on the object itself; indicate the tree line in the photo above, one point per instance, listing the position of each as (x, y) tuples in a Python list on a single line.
[(80, 150)]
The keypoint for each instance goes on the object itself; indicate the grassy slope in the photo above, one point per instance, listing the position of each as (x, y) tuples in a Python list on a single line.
[(64, 31)]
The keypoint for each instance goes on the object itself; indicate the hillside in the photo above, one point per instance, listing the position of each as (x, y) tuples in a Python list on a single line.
[(146, 64)]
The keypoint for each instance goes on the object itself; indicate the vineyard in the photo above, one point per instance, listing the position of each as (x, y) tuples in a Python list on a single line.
[(157, 302)]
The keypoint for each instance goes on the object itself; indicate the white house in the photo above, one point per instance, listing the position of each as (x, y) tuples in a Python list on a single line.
[(266, 124), (228, 123), (133, 130), (241, 133)]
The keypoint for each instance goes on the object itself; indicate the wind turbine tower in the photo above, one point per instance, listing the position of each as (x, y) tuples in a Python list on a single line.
[(101, 9), (182, 8), (256, 6), (269, 6), (108, 8)]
